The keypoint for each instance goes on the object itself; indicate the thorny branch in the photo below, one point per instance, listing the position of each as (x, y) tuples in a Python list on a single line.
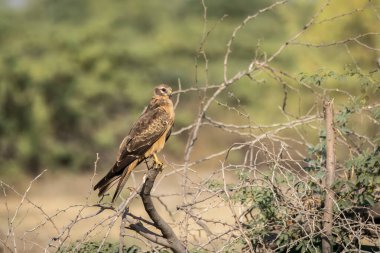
[(259, 190), (174, 243)]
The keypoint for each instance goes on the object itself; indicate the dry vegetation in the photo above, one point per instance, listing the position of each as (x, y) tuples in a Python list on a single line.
[(264, 191)]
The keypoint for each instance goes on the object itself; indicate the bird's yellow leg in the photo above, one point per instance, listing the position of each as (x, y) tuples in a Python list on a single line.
[(157, 162)]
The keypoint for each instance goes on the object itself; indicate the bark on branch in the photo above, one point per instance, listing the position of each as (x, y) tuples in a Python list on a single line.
[(330, 177), (174, 243)]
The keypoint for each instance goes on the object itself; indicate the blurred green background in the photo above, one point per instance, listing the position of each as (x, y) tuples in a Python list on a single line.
[(75, 73)]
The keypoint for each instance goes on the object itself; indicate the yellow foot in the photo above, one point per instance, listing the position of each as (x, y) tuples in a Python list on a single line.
[(160, 166), (157, 163)]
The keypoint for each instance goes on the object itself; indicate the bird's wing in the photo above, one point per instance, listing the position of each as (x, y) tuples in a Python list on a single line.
[(145, 132), (151, 125)]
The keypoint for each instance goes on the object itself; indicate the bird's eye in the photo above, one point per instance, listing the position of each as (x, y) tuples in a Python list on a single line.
[(164, 90)]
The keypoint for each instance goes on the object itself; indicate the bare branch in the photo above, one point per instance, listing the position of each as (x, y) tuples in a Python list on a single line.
[(174, 243), (330, 177)]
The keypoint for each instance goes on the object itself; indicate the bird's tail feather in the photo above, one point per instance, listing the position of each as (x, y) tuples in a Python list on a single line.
[(107, 179), (124, 178), (105, 187)]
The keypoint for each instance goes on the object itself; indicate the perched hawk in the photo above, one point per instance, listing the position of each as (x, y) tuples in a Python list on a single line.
[(146, 138)]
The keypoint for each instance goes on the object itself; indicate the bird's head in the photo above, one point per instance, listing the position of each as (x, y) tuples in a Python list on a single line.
[(163, 90)]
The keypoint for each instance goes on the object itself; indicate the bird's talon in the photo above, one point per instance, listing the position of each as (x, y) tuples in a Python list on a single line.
[(158, 165)]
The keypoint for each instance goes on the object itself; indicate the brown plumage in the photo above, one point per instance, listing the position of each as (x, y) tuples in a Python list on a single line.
[(146, 138)]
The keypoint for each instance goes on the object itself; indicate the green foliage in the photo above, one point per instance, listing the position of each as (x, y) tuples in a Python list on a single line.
[(361, 189), (358, 191), (94, 247), (317, 155), (75, 74), (259, 198), (318, 78), (356, 188), (106, 247), (214, 185)]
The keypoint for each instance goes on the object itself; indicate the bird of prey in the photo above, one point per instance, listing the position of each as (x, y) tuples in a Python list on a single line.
[(145, 139)]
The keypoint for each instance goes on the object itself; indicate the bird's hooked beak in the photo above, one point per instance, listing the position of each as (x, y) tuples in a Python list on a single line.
[(170, 92)]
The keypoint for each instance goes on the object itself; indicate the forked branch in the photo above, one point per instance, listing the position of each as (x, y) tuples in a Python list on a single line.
[(168, 238)]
